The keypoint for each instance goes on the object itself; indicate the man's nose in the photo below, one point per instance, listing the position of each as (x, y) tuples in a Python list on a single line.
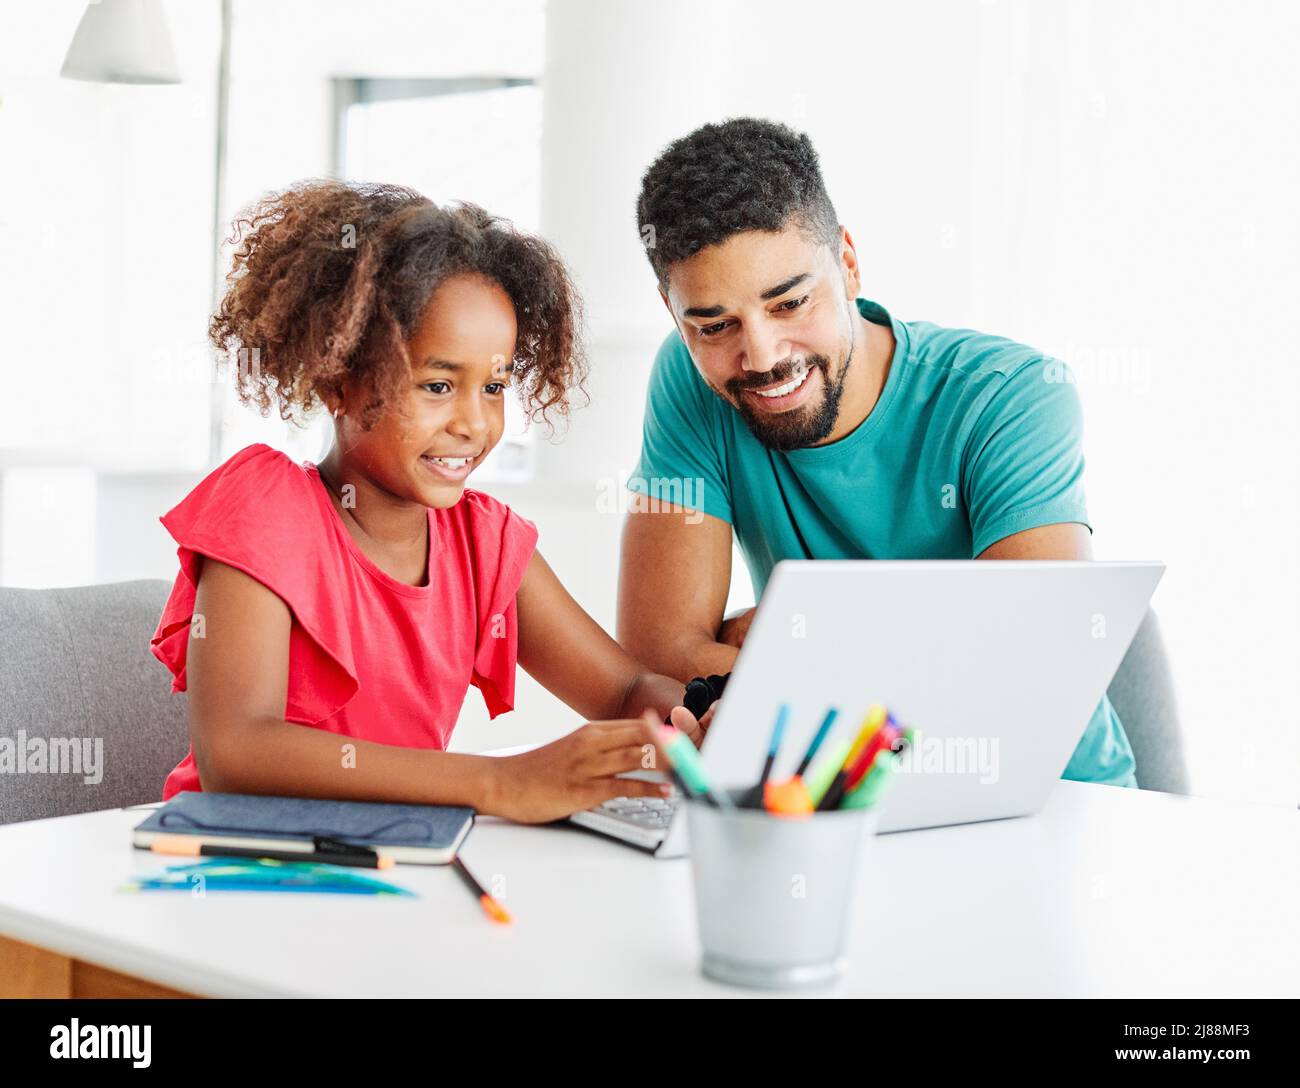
[(763, 348)]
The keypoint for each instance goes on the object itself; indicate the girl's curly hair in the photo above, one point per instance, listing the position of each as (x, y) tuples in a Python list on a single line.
[(329, 279)]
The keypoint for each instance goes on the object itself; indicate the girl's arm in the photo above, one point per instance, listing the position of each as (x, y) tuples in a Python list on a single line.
[(238, 679), (572, 656), (238, 682)]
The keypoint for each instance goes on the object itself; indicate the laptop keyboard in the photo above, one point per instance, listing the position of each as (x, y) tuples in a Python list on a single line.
[(651, 813)]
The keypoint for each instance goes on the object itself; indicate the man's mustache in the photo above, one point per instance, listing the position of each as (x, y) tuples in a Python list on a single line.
[(778, 375)]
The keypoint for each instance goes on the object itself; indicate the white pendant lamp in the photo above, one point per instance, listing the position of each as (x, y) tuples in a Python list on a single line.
[(122, 41)]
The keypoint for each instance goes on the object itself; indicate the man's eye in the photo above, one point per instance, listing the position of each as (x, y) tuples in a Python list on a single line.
[(794, 303), (714, 329), (430, 387)]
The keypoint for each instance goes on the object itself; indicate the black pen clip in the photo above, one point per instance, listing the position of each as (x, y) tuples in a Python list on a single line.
[(325, 844)]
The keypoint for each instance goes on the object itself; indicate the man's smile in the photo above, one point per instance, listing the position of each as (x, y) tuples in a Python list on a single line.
[(786, 395)]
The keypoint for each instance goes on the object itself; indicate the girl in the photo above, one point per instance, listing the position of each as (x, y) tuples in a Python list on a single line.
[(328, 619)]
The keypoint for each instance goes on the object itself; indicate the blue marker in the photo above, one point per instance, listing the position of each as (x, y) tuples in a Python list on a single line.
[(822, 731), (754, 795)]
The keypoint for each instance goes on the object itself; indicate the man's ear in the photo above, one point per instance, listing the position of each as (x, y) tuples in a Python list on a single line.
[(669, 307), (849, 266)]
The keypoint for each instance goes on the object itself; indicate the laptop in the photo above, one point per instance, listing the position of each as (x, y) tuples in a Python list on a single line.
[(997, 666)]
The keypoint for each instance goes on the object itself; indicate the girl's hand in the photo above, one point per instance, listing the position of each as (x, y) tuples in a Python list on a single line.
[(576, 772)]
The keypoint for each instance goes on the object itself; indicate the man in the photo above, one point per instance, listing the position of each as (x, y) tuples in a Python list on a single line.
[(814, 425)]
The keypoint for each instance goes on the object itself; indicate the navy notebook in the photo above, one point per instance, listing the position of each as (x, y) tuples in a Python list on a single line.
[(422, 834)]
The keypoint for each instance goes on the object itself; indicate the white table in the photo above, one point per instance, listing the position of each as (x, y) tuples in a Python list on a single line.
[(1107, 892)]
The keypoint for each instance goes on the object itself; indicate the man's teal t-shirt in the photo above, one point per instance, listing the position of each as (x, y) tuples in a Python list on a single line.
[(974, 438)]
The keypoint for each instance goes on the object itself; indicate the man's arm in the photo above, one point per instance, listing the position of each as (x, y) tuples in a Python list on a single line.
[(653, 587), (570, 654), (674, 577), (1065, 540), (1023, 468)]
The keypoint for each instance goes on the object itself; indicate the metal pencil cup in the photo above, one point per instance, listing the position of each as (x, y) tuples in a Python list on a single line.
[(775, 895)]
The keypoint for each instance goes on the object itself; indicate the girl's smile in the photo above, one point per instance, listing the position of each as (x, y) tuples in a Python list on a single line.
[(454, 468)]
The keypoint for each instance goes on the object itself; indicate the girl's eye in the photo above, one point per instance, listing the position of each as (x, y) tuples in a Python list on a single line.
[(495, 387), (430, 387), (794, 303)]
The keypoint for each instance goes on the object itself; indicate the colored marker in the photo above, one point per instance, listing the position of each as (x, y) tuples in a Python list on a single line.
[(876, 717), (880, 740), (673, 776), (491, 907), (685, 757), (874, 786), (822, 731), (819, 779), (794, 798), (883, 740), (853, 776), (189, 846), (756, 795), (787, 798)]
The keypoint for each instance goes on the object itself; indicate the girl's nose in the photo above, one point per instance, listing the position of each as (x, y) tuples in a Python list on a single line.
[(469, 420)]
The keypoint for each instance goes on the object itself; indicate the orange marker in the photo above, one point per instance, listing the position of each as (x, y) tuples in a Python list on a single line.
[(787, 798), (491, 907), (188, 846)]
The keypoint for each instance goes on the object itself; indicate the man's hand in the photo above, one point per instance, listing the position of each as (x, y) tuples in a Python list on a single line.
[(684, 721), (735, 627)]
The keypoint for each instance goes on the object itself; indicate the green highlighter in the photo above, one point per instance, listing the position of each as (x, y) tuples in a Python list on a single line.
[(685, 759), (819, 779), (873, 787)]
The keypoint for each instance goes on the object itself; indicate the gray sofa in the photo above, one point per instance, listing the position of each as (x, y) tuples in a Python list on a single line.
[(75, 666)]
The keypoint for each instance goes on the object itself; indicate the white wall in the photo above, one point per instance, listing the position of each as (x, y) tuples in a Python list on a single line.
[(102, 188), (105, 220)]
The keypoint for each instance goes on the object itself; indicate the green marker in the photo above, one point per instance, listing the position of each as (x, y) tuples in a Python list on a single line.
[(685, 758), (872, 788), (819, 778)]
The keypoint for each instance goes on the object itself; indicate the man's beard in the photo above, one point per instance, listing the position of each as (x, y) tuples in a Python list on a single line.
[(804, 426)]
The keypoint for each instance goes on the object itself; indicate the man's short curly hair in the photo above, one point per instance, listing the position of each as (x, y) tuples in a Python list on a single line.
[(742, 174), (330, 278)]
